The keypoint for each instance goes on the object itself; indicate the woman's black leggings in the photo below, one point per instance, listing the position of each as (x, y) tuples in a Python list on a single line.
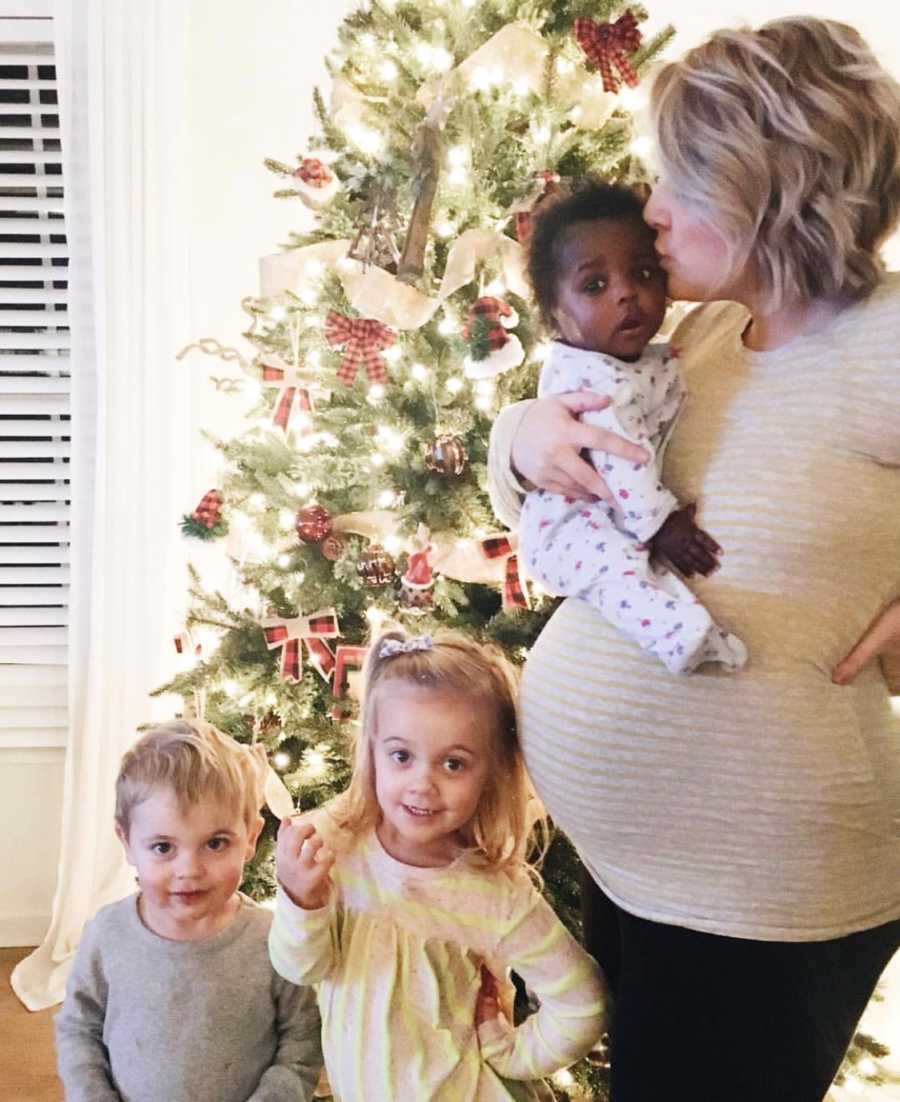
[(707, 1018)]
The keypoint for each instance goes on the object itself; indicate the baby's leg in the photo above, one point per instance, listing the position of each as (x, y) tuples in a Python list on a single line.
[(691, 636), (657, 610), (574, 550)]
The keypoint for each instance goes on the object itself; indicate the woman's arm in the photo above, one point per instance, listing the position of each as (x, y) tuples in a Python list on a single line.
[(541, 442)]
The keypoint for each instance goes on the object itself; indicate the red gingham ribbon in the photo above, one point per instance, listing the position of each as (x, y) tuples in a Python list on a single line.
[(312, 630), (292, 393), (346, 659), (610, 44), (501, 547), (184, 642), (314, 173), (363, 339)]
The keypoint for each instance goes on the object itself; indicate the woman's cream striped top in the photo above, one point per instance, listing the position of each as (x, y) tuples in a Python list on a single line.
[(763, 804)]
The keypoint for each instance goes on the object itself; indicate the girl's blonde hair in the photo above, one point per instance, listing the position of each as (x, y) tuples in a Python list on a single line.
[(788, 138), (195, 761), (498, 833)]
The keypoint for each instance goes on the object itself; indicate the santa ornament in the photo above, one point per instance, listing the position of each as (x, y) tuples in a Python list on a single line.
[(492, 349), (315, 183), (417, 584)]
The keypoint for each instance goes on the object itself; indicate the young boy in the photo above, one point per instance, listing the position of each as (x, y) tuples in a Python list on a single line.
[(602, 293), (172, 997)]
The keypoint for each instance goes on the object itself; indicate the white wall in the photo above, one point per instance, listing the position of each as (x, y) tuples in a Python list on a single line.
[(254, 70), (878, 24)]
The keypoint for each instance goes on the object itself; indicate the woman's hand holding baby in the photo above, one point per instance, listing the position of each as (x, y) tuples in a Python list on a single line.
[(688, 548), (547, 448), (303, 864)]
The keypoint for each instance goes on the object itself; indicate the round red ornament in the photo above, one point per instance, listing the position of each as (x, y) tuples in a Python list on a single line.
[(313, 523)]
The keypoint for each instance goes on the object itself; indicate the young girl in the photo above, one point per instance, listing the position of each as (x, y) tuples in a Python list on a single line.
[(601, 290), (394, 897)]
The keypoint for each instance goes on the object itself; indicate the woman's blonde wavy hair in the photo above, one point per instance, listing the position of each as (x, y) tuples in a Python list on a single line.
[(498, 834), (788, 137)]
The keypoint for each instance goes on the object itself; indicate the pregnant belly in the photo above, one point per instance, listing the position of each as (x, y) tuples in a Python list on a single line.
[(622, 752)]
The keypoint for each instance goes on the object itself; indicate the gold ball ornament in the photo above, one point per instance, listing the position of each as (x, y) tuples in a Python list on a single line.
[(376, 567)]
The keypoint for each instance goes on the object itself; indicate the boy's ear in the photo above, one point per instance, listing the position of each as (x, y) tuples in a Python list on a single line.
[(123, 838), (253, 835)]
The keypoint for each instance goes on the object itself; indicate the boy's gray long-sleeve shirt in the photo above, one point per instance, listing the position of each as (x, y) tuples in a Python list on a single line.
[(146, 1018)]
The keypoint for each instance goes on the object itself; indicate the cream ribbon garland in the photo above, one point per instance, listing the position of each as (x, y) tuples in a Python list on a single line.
[(375, 293)]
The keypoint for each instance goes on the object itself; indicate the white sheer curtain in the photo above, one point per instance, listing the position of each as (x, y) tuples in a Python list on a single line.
[(122, 69)]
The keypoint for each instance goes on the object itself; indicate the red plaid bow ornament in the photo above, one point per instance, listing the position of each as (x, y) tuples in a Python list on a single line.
[(314, 173), (293, 393), (312, 630), (363, 340), (502, 546), (610, 44)]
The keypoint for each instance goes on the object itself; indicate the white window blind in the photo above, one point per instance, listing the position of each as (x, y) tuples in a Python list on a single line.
[(34, 397)]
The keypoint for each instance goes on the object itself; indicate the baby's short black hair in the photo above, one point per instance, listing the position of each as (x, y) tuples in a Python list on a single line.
[(591, 202)]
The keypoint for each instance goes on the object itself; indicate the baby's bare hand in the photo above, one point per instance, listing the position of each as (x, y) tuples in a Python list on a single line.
[(687, 547), (303, 864)]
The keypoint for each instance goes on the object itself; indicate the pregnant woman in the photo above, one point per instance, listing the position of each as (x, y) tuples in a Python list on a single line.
[(743, 830)]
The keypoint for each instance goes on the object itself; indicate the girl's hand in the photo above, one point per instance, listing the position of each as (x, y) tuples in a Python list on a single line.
[(487, 1005), (303, 864), (687, 547), (547, 448), (882, 637)]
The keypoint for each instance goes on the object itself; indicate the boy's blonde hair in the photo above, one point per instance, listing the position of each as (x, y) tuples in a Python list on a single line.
[(499, 831), (195, 761), (788, 138)]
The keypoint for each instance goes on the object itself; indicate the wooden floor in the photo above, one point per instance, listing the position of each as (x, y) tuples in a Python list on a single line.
[(28, 1062), (26, 1044)]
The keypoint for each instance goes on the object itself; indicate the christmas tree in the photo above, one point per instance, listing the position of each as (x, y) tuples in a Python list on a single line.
[(381, 347)]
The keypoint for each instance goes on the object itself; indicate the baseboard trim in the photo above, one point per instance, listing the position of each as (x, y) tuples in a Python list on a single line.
[(23, 930)]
